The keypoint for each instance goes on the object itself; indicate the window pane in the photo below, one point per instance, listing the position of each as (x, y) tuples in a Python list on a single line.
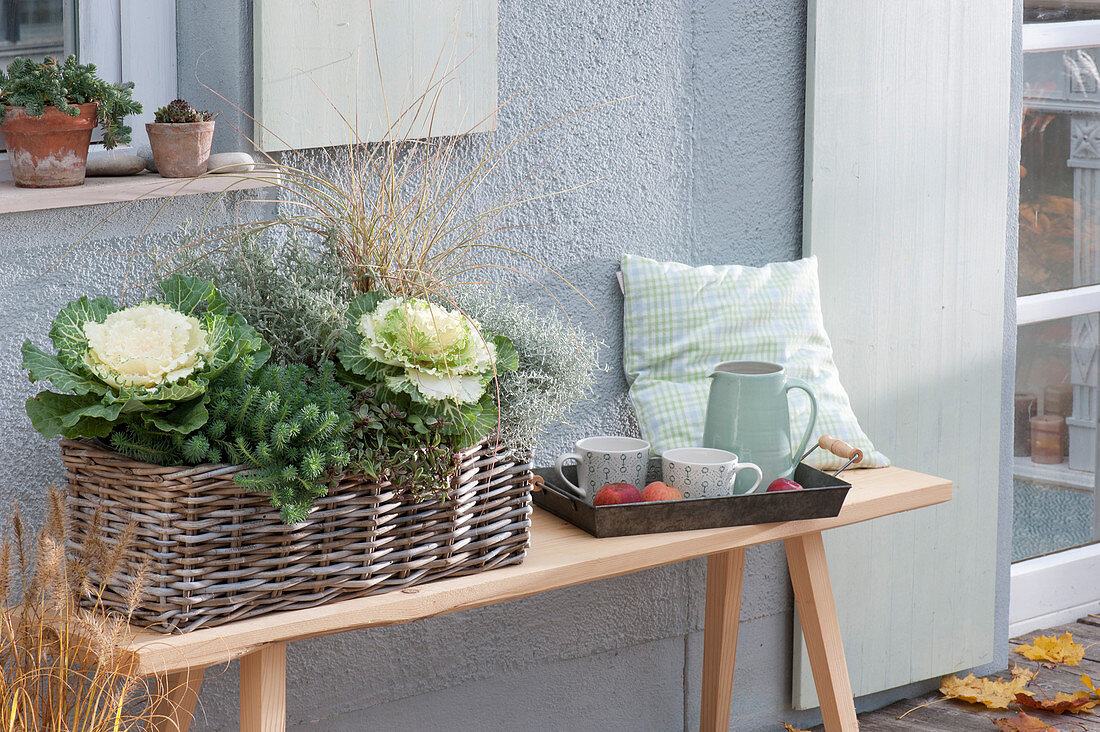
[(1060, 171), (1055, 437), (34, 28)]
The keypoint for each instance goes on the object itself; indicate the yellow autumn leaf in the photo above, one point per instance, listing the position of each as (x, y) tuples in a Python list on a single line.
[(791, 728), (1056, 650), (1087, 681), (993, 693)]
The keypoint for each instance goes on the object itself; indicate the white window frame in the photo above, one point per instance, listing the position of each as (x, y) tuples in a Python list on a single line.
[(1058, 304), (1047, 590), (132, 40), (1060, 36)]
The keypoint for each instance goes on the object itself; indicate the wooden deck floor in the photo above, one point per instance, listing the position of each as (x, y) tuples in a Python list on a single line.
[(954, 716)]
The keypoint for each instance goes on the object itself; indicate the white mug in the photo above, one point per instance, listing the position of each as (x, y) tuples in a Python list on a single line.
[(704, 472), (603, 460)]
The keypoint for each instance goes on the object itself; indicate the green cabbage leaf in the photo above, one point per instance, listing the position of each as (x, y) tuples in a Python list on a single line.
[(99, 387)]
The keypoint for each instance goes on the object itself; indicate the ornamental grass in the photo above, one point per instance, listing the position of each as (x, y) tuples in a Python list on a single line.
[(401, 215), (411, 215), (62, 667)]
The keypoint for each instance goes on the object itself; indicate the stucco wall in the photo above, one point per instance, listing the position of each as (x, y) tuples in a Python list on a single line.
[(704, 166)]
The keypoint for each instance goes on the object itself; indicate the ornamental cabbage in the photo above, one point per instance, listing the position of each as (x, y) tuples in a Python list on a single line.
[(145, 345), (438, 357), (440, 352), (148, 364)]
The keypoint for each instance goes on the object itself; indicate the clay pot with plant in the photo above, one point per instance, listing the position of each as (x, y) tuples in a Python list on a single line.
[(180, 137), (48, 111)]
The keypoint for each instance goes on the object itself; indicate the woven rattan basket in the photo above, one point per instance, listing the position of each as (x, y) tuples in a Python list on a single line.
[(218, 553)]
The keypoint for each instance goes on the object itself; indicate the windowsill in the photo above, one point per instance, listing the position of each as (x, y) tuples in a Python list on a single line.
[(122, 189), (1059, 474)]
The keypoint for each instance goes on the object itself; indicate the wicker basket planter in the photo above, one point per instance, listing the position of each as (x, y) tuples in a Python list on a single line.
[(219, 553)]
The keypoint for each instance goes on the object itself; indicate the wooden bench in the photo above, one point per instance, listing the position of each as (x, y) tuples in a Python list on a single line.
[(561, 555)]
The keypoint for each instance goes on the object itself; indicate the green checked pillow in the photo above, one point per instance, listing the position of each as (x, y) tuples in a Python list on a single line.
[(679, 322)]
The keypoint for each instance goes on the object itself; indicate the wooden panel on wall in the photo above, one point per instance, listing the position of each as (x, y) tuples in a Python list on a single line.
[(317, 73), (907, 146)]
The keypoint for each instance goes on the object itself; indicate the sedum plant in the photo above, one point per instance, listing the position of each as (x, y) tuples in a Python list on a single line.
[(35, 86), (437, 358), (287, 424), (296, 297), (149, 364), (180, 112)]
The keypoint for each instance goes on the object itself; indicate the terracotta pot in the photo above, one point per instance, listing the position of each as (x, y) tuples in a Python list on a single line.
[(48, 151), (180, 150)]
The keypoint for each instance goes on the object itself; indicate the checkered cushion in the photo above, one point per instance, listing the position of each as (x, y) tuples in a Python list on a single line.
[(680, 321)]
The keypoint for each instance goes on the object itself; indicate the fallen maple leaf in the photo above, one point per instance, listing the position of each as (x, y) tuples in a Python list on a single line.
[(1023, 723), (1076, 703), (1023, 675), (1058, 650), (791, 728), (1088, 683), (993, 693)]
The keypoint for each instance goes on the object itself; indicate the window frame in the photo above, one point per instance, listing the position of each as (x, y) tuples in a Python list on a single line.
[(132, 40)]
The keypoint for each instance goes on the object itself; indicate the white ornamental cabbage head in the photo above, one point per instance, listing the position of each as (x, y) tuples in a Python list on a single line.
[(441, 351), (145, 345)]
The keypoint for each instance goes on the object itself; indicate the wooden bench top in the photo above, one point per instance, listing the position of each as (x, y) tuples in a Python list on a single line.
[(560, 555)]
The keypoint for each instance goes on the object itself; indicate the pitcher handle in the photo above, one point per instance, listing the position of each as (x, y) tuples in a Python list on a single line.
[(793, 383)]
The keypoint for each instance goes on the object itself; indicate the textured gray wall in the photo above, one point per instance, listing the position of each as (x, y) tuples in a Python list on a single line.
[(704, 166)]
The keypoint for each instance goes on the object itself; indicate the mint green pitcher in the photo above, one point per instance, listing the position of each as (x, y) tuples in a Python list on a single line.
[(747, 414)]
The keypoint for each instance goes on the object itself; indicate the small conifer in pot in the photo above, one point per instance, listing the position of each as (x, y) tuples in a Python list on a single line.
[(47, 113)]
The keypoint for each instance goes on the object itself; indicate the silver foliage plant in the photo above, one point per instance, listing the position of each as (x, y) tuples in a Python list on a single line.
[(295, 295), (557, 363)]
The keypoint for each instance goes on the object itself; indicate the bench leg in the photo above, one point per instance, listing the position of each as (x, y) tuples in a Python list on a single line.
[(263, 689), (813, 594), (175, 710), (723, 611)]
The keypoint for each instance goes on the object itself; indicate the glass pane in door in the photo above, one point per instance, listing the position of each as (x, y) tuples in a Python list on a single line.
[(1060, 171), (1060, 11), (32, 28), (1054, 446)]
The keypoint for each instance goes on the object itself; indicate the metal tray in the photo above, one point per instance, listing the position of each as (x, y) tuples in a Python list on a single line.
[(822, 497)]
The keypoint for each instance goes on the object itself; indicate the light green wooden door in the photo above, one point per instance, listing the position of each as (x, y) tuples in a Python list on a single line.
[(908, 135)]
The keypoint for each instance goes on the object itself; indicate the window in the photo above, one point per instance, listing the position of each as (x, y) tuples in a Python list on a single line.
[(36, 28), (1056, 515), (1058, 350)]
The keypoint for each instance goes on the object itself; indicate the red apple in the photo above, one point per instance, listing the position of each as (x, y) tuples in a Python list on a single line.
[(783, 484), (658, 491), (614, 493)]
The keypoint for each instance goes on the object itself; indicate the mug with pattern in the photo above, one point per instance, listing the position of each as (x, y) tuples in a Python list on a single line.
[(605, 459), (704, 472)]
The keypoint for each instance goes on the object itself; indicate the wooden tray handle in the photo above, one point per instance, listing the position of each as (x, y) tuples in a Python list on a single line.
[(840, 448)]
